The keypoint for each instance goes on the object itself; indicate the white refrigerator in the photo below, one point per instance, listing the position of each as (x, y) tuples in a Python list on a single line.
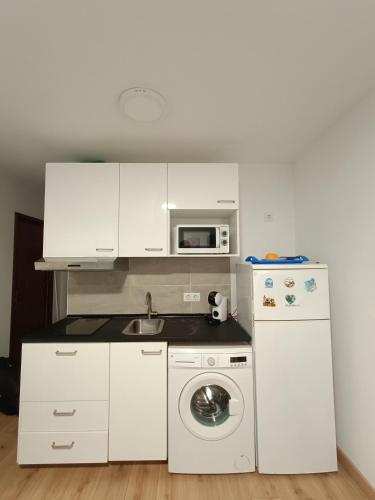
[(285, 309)]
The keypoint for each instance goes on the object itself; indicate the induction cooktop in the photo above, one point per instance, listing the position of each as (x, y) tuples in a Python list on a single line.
[(85, 326)]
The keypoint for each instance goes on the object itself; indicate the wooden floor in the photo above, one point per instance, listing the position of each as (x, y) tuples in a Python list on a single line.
[(152, 481)]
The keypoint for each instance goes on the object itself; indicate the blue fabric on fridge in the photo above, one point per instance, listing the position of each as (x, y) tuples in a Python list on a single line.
[(298, 259)]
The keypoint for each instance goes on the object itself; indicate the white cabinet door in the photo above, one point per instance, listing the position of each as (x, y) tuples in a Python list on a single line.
[(202, 185), (138, 401), (143, 210), (81, 210)]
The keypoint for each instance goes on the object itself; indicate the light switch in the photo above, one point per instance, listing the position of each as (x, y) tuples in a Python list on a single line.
[(268, 216)]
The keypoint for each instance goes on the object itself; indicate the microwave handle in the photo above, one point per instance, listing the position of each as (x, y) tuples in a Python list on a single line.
[(217, 237)]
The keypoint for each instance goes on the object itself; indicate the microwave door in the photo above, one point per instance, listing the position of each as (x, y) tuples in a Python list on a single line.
[(198, 239)]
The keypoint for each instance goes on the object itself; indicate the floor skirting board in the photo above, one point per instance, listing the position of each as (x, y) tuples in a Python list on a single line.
[(356, 474)]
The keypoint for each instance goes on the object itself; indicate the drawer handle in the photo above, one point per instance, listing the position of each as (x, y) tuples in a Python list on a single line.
[(226, 201), (151, 353), (55, 446), (66, 353), (64, 413), (153, 249), (104, 249)]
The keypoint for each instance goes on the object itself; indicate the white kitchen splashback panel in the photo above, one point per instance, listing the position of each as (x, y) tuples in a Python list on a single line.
[(290, 294)]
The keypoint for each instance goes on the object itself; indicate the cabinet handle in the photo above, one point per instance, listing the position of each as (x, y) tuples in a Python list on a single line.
[(66, 353), (153, 249), (226, 201), (55, 446), (64, 413), (105, 249), (151, 353)]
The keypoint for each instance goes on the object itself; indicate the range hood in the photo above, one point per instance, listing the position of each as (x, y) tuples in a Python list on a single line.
[(82, 264)]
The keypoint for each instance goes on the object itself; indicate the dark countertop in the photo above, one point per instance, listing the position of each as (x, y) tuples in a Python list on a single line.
[(177, 328)]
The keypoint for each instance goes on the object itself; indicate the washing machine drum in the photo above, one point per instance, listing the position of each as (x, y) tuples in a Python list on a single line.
[(211, 406)]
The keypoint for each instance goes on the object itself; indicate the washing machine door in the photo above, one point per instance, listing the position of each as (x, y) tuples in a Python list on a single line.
[(211, 406)]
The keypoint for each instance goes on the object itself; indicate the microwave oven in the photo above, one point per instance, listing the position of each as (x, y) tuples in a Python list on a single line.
[(202, 238)]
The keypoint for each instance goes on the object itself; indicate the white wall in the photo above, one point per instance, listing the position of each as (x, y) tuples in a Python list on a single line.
[(14, 197), (335, 222), (265, 189)]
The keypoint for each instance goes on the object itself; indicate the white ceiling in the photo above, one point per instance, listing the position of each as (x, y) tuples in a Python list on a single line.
[(250, 80)]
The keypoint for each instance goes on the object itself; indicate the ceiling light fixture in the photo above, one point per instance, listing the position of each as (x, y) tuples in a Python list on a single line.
[(141, 104)]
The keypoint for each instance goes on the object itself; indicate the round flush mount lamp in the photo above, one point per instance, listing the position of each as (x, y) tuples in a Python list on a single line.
[(141, 104)]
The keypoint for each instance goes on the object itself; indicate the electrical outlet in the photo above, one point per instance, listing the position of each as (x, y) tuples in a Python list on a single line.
[(192, 297)]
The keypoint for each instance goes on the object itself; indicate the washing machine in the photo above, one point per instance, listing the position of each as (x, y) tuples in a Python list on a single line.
[(210, 409)]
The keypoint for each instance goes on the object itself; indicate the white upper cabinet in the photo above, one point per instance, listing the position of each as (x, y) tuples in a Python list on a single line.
[(203, 185), (143, 210), (98, 210), (81, 210)]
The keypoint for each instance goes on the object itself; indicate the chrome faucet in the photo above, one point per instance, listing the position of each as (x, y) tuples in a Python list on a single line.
[(148, 303)]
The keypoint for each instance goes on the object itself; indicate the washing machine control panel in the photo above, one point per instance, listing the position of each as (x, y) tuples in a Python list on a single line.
[(238, 361), (211, 361), (225, 360)]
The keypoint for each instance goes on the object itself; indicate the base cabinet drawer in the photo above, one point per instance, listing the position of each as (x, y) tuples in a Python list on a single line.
[(65, 372), (62, 447), (71, 416)]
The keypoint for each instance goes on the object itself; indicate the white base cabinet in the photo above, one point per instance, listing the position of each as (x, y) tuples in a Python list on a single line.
[(138, 401), (64, 403), (77, 397)]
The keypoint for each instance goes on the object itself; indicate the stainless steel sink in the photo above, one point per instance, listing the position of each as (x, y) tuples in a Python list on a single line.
[(144, 327)]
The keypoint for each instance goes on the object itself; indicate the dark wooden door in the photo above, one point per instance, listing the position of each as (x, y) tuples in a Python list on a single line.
[(32, 290)]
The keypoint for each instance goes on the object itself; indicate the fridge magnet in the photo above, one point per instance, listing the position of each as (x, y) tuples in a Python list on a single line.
[(268, 283), (310, 285), (268, 302), (290, 299), (289, 282)]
